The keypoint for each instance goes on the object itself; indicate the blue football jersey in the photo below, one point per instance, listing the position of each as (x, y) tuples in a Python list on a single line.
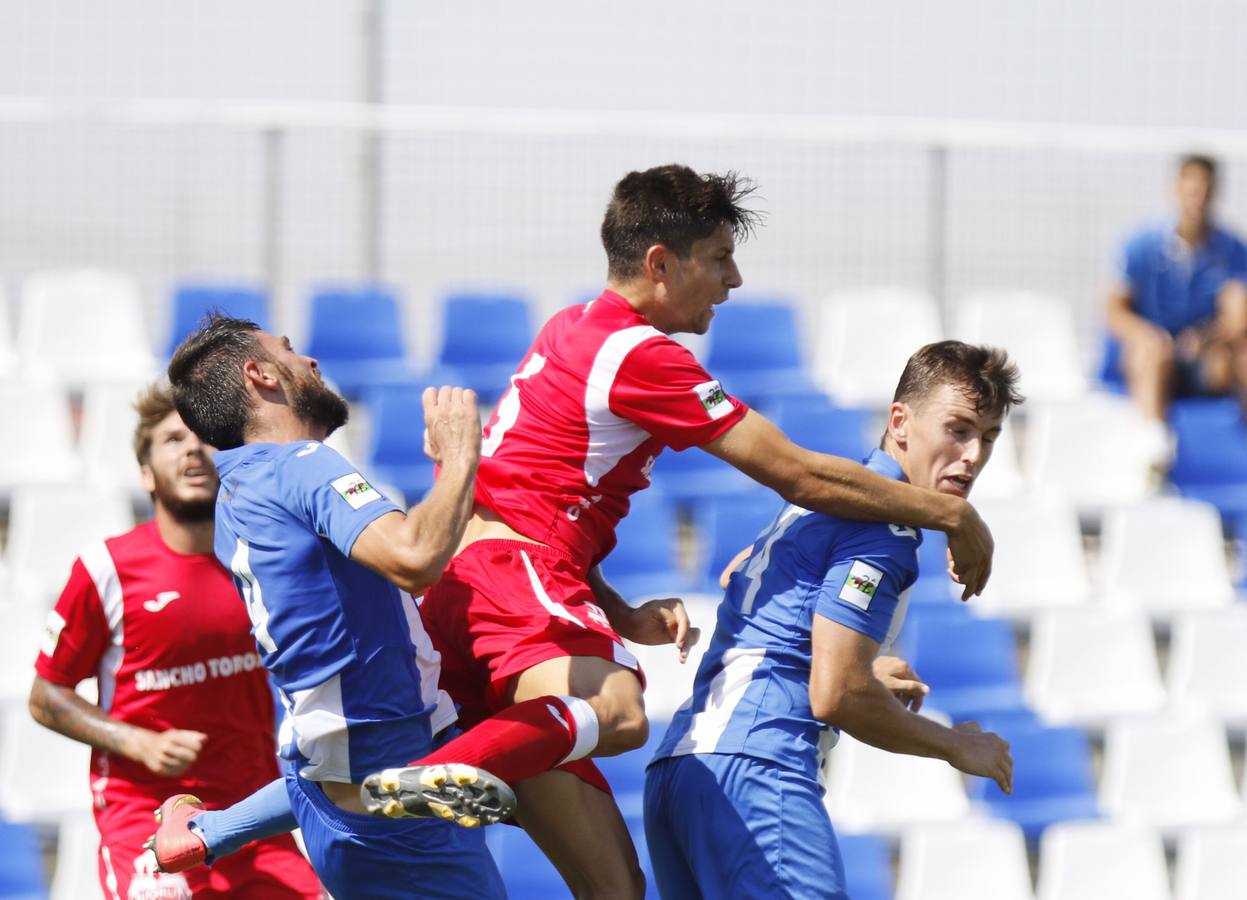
[(751, 693), (355, 669)]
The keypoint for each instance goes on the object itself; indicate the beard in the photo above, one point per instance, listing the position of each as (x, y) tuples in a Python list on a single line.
[(188, 511), (313, 402)]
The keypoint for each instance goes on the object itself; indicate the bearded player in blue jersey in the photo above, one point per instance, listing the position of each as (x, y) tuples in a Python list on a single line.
[(319, 555), (733, 806)]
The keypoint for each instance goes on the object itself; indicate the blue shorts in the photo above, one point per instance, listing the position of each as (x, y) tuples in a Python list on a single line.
[(365, 857), (720, 825)]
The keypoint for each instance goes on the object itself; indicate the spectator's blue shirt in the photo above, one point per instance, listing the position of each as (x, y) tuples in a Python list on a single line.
[(346, 648), (1175, 285), (751, 694)]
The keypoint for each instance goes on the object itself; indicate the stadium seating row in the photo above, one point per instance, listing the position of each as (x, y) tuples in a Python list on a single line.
[(356, 330)]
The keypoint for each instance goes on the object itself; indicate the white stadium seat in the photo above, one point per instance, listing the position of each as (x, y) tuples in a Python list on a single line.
[(43, 775), (77, 874), (1212, 863), (1204, 672), (1090, 665), (1088, 452), (865, 338), (869, 789), (20, 639), (1038, 332), (83, 325), (108, 422), (1002, 479), (1038, 563), (49, 526), (1168, 771), (978, 859), (668, 682), (8, 358), (40, 450), (1165, 555), (1095, 860)]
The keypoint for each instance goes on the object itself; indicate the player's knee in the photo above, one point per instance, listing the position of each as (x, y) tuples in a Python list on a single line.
[(622, 725)]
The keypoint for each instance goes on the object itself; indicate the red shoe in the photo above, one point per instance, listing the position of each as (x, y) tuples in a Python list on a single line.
[(176, 846)]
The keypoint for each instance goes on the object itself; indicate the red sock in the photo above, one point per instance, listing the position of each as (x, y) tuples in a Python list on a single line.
[(525, 739)]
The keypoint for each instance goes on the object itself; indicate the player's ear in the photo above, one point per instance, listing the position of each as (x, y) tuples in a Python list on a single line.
[(656, 258), (261, 376), (898, 423), (147, 478)]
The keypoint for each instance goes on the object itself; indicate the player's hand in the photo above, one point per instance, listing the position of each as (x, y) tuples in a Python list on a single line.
[(901, 680), (970, 548), (170, 753), (452, 425), (662, 621), (984, 753)]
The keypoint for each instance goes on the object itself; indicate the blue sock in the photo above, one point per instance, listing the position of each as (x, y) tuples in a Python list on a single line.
[(263, 814)]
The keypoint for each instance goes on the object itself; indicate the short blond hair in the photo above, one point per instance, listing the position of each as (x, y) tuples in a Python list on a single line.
[(153, 404)]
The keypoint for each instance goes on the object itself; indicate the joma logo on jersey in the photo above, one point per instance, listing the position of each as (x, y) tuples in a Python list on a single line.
[(355, 490)]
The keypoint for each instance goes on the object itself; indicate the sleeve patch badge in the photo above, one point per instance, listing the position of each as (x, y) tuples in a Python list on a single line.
[(355, 490), (52, 633), (860, 586), (712, 397)]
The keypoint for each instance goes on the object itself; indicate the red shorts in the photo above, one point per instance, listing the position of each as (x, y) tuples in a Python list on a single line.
[(271, 869), (504, 606)]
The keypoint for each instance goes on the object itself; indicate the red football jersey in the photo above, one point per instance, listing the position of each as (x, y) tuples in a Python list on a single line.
[(170, 641), (599, 395)]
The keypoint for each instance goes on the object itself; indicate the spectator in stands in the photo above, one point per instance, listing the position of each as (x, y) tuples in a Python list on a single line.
[(184, 704), (796, 656), (1179, 307)]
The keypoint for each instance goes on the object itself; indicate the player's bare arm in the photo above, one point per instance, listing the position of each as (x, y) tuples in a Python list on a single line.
[(847, 692), (840, 487), (411, 550), (659, 621), (168, 753)]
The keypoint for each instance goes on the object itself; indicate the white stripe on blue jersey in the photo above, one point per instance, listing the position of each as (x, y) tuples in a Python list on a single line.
[(751, 693)]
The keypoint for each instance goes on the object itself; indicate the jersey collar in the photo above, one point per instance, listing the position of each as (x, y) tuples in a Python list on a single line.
[(879, 461)]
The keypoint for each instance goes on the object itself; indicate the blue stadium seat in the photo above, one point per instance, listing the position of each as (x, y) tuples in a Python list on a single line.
[(933, 586), (21, 863), (1110, 375), (484, 337), (814, 422), (729, 524), (867, 866), (356, 335), (191, 302), (626, 773), (690, 477), (970, 663), (1211, 463), (755, 351), (527, 873), (1053, 779), (396, 449), (645, 559)]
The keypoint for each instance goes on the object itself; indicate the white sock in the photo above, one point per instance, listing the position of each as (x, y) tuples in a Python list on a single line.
[(586, 722)]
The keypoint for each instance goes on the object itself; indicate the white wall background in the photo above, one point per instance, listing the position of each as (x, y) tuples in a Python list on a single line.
[(170, 203)]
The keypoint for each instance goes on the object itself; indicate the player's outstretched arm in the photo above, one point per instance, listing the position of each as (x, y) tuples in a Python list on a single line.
[(412, 550), (845, 692), (168, 753), (840, 487)]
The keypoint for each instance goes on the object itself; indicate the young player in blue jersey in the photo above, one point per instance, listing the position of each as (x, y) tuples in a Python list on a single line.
[(733, 806), (319, 557)]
